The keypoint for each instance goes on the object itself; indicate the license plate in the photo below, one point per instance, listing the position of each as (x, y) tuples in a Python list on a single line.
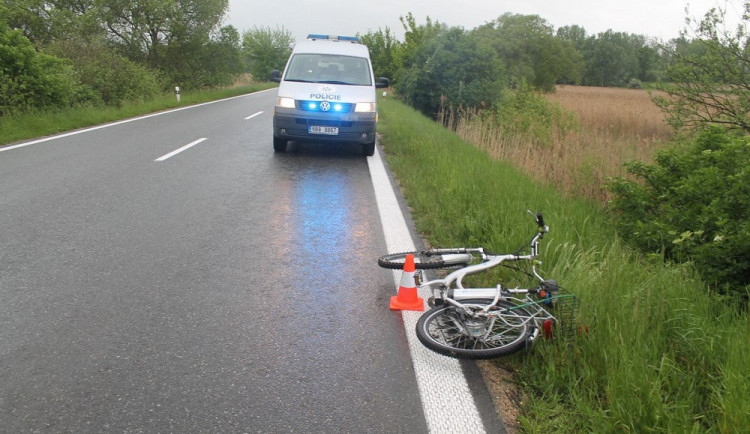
[(331, 131)]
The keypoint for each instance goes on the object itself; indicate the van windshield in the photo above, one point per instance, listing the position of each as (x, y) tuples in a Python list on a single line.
[(329, 68)]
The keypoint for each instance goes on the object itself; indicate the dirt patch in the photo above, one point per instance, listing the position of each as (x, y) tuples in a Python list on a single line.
[(504, 391)]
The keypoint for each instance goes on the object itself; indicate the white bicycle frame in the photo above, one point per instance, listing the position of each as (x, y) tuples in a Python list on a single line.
[(480, 310), (459, 292)]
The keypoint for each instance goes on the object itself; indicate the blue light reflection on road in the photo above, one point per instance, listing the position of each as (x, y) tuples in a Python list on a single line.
[(324, 241), (323, 228), (323, 213)]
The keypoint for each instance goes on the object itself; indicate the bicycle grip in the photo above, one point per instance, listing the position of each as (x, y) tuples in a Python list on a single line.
[(540, 219)]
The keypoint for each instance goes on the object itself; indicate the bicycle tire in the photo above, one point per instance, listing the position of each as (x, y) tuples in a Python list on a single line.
[(439, 331), (423, 260)]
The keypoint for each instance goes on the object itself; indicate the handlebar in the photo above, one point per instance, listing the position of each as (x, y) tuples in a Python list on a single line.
[(539, 219)]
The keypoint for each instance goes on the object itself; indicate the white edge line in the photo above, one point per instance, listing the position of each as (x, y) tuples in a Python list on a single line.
[(177, 151), (252, 116), (112, 124), (447, 401)]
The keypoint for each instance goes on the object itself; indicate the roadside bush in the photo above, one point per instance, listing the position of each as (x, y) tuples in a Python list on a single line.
[(110, 78), (693, 204), (29, 79), (526, 111)]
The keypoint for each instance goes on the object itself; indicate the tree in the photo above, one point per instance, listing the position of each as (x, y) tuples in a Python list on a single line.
[(224, 60), (44, 22), (710, 75), (530, 52), (171, 36), (576, 35), (692, 204), (144, 29), (264, 50), (416, 36), (201, 62), (384, 49), (611, 59), (452, 68)]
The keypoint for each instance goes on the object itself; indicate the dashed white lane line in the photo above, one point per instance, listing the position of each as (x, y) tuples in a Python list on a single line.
[(447, 402), (112, 124), (253, 115), (177, 151)]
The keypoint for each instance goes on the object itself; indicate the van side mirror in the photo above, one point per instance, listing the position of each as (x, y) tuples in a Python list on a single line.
[(276, 76), (382, 82)]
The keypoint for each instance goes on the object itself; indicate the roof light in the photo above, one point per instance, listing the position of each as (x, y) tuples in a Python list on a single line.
[(315, 36)]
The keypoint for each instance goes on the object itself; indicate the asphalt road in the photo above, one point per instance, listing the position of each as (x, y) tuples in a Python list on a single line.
[(223, 288)]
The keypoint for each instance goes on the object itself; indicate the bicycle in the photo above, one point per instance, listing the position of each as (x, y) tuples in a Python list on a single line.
[(480, 323)]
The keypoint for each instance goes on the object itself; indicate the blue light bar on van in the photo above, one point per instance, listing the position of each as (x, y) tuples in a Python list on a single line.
[(333, 37), (317, 106)]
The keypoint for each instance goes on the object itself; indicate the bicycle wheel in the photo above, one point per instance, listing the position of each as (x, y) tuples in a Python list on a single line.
[(451, 332), (425, 260)]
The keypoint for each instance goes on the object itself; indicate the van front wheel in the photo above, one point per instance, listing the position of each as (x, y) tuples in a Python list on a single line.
[(279, 145), (368, 149)]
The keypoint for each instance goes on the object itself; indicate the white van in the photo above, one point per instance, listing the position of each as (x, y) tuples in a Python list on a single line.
[(327, 93)]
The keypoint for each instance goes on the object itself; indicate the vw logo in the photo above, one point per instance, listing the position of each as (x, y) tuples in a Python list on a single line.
[(325, 106)]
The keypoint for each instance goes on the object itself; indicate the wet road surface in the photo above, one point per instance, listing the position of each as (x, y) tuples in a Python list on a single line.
[(223, 289)]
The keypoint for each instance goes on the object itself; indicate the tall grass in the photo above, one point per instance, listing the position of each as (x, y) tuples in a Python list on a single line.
[(659, 354), (41, 123), (576, 142)]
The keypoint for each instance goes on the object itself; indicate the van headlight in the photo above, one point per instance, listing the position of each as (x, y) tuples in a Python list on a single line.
[(285, 102), (365, 107)]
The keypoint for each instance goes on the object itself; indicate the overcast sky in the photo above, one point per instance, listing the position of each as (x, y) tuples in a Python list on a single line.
[(655, 18)]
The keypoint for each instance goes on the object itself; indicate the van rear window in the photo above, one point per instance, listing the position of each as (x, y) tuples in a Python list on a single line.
[(329, 68)]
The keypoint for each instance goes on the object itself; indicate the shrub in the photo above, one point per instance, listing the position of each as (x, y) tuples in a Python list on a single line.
[(529, 113), (29, 79), (111, 78), (693, 204)]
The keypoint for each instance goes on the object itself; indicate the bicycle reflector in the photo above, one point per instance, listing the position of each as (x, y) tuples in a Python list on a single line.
[(549, 328)]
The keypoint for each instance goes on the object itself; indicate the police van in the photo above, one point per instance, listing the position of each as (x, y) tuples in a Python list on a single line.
[(327, 93)]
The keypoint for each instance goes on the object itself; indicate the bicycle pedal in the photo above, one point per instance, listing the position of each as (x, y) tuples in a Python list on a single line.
[(432, 301)]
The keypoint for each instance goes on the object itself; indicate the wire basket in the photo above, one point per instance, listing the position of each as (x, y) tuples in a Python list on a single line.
[(563, 306), (554, 311)]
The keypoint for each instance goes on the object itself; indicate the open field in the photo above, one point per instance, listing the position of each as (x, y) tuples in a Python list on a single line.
[(610, 127)]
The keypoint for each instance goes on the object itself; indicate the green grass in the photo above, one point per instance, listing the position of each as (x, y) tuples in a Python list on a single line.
[(23, 126), (660, 354)]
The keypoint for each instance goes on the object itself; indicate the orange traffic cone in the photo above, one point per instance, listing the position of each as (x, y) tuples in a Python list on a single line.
[(407, 298)]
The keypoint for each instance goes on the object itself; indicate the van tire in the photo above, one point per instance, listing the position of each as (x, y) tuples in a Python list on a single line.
[(368, 149), (279, 145)]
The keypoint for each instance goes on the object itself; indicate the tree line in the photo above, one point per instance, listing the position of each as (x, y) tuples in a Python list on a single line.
[(65, 52), (62, 53), (437, 64)]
